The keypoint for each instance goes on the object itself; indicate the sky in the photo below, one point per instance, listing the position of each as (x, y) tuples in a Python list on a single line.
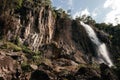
[(107, 11)]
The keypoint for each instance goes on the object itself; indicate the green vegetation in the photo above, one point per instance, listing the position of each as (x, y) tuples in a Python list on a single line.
[(26, 49), (26, 67), (18, 4), (86, 19), (7, 5), (94, 66), (10, 46), (37, 58), (43, 2), (34, 57), (114, 37), (46, 2), (17, 41)]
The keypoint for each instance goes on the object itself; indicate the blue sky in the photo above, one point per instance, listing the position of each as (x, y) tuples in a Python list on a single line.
[(107, 11)]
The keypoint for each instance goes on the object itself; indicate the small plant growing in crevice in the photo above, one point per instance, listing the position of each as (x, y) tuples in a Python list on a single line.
[(26, 67)]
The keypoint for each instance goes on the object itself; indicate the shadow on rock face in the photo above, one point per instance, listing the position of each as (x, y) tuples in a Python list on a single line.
[(107, 73), (1, 78), (85, 73), (39, 75)]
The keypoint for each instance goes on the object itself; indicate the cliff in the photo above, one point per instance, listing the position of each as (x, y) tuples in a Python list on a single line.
[(40, 43)]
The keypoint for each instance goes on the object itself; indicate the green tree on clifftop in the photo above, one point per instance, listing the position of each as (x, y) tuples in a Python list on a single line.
[(7, 5)]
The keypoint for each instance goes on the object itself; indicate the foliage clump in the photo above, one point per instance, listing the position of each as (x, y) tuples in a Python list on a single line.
[(11, 46)]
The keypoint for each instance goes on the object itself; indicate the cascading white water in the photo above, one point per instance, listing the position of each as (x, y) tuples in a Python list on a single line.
[(101, 47)]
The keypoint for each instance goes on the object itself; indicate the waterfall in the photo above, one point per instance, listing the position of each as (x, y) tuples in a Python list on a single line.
[(101, 48)]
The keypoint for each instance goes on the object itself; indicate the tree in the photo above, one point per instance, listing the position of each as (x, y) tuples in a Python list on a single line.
[(43, 2), (7, 5), (87, 19)]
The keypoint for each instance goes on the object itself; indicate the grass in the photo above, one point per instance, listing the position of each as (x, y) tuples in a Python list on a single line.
[(94, 66), (82, 65), (15, 47), (26, 50), (10, 46), (34, 57)]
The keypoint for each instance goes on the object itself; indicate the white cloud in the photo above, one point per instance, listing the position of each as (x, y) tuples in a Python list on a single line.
[(70, 2), (85, 12), (114, 4), (114, 15), (77, 14), (62, 1), (58, 7), (81, 13), (107, 3), (51, 0), (95, 13)]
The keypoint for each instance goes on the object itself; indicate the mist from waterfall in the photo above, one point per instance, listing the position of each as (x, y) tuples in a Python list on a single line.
[(101, 48)]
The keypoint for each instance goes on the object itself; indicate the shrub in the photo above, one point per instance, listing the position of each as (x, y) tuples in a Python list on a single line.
[(37, 57), (26, 50), (26, 67), (11, 46), (7, 5)]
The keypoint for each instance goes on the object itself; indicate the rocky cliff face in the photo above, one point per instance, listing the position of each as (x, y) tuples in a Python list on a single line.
[(63, 42), (37, 29), (34, 28)]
